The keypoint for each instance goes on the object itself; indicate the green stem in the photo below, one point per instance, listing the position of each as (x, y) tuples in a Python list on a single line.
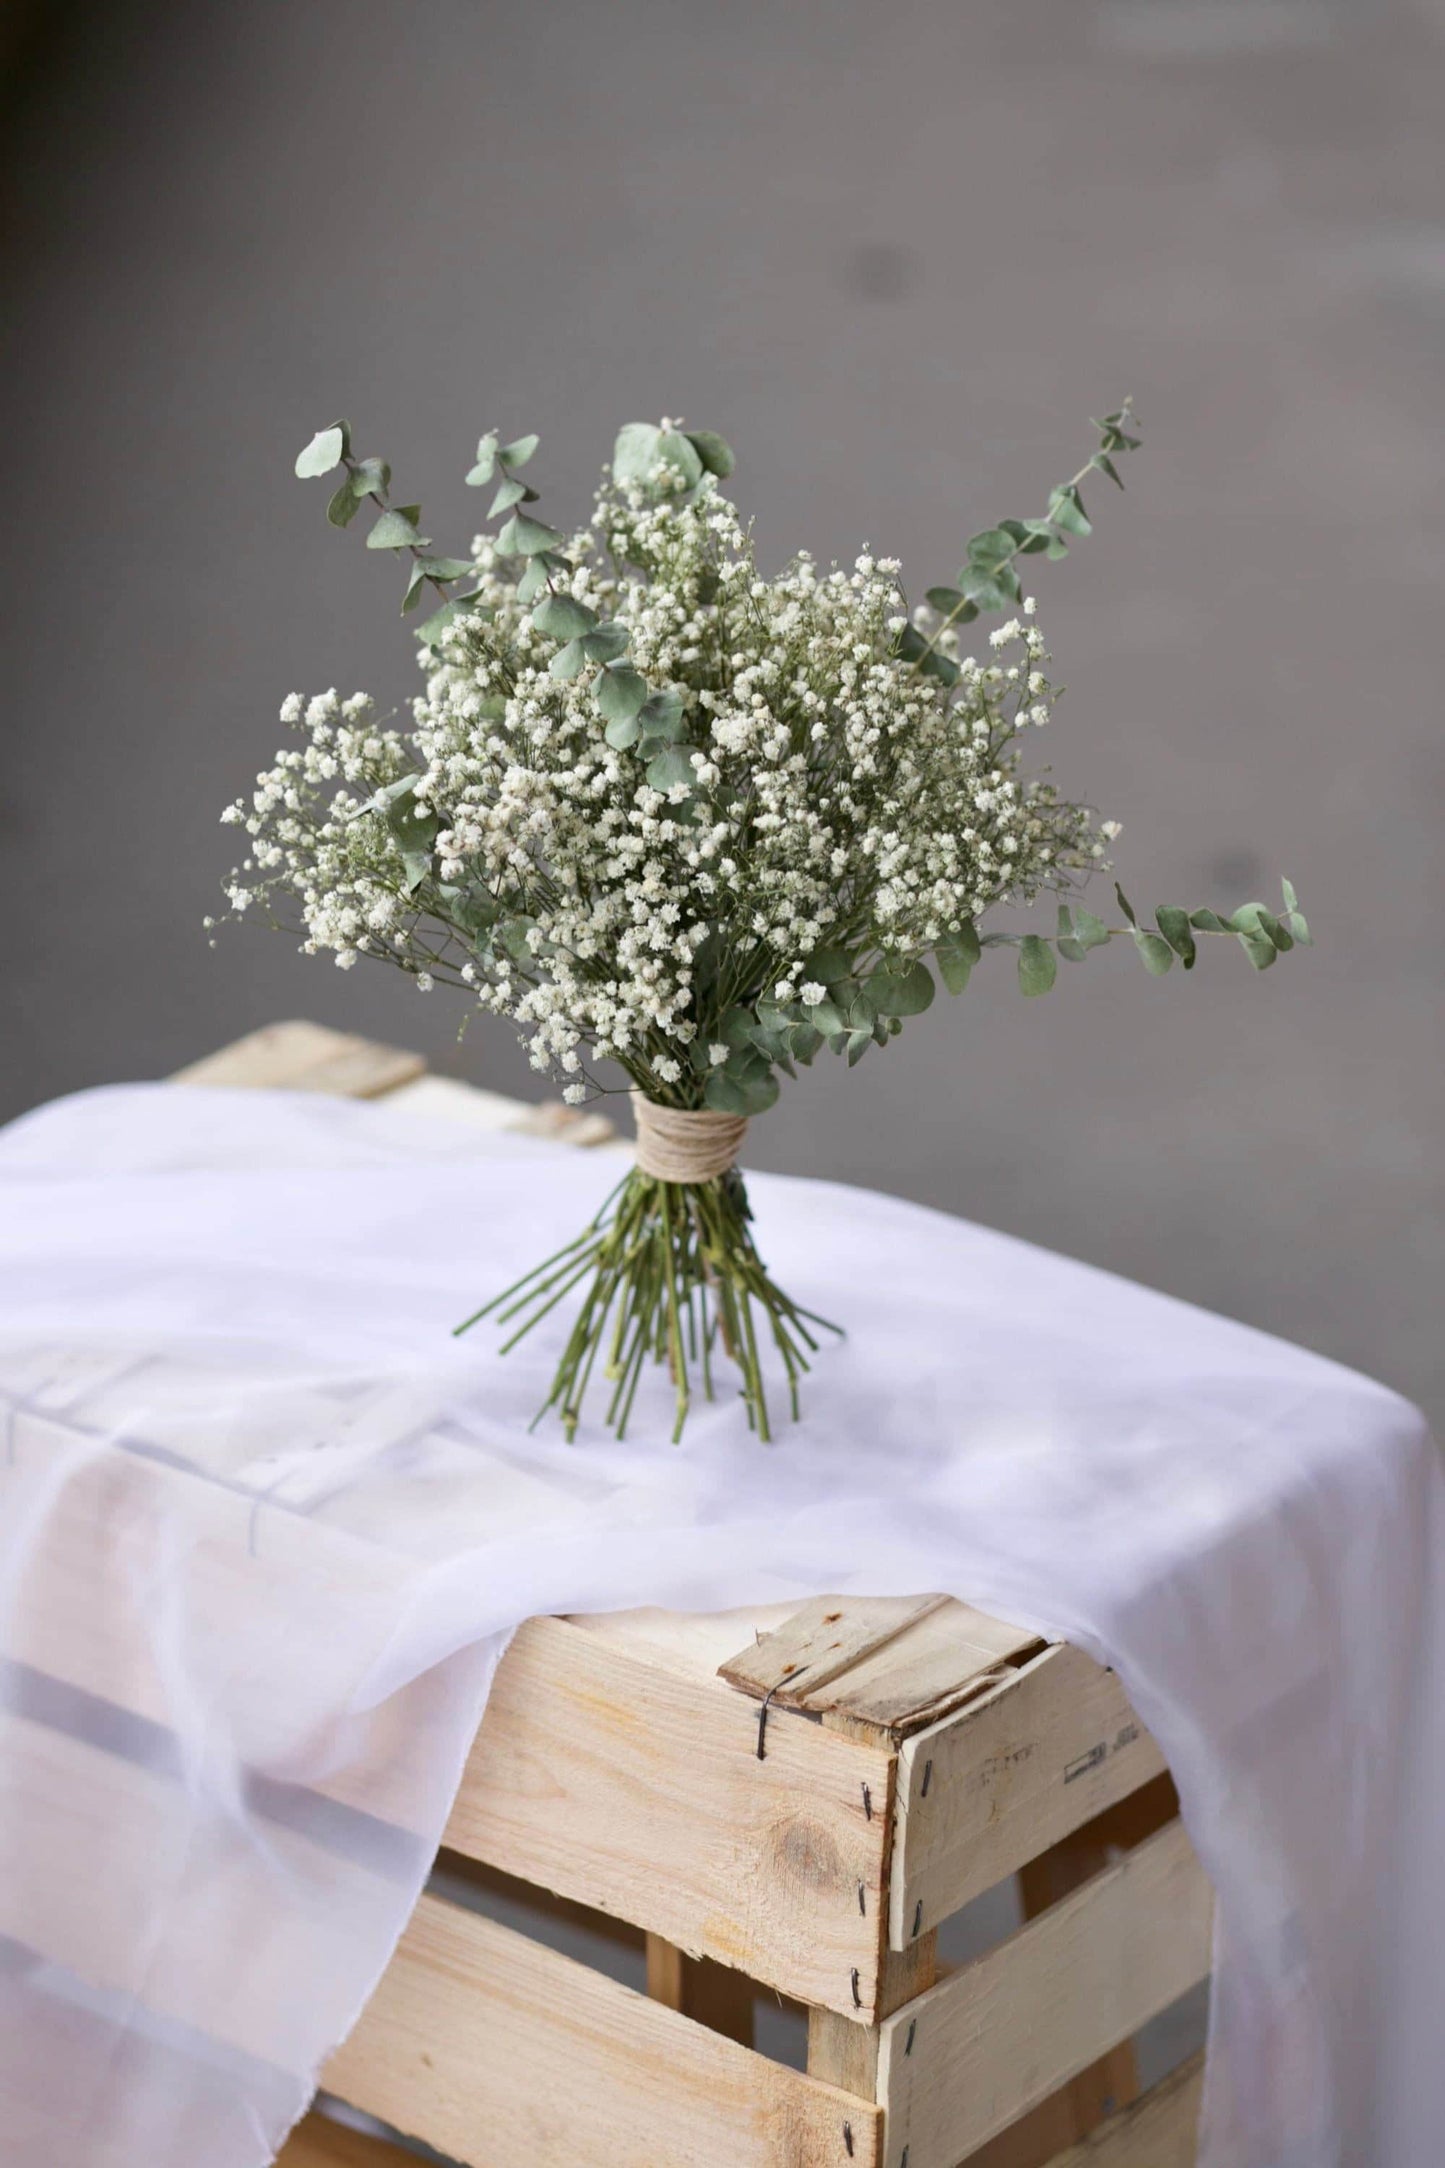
[(666, 1271)]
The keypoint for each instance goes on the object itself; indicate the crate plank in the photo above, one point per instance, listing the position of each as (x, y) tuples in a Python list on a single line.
[(878, 1668), (318, 2142), (822, 1639), (1043, 1751), (963, 2061), (504, 2054), (304, 1057), (1158, 2131), (638, 1790)]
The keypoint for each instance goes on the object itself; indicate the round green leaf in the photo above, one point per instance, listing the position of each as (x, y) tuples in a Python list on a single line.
[(715, 454), (671, 766), (956, 954), (395, 531), (343, 508), (486, 465), (518, 452), (661, 715), (605, 642), (323, 452), (562, 617), (1155, 953), (524, 537), (900, 993), (620, 691), (1037, 968)]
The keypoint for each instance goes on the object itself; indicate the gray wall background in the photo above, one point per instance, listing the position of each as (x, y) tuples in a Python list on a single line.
[(897, 255)]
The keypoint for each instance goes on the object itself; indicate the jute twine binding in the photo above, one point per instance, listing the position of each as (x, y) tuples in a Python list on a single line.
[(677, 1144)]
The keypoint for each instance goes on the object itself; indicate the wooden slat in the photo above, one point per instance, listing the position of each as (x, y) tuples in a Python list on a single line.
[(1159, 2131), (318, 2142), (503, 2054), (822, 1639), (1043, 1751), (303, 1057), (878, 1668), (639, 1790), (966, 2059), (712, 1995)]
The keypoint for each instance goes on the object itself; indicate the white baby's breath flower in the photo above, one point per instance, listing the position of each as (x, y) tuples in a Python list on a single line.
[(811, 994)]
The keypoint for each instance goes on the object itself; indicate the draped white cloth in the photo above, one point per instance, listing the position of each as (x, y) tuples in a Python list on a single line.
[(264, 1528)]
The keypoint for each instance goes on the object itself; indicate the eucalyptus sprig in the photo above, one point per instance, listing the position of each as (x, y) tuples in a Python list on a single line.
[(988, 579)]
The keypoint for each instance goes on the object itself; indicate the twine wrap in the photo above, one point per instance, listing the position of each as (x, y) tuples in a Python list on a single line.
[(678, 1144)]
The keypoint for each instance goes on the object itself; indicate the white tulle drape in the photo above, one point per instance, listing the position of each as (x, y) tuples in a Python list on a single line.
[(264, 1528)]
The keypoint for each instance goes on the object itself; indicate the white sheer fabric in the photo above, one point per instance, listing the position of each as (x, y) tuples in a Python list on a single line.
[(264, 1528)]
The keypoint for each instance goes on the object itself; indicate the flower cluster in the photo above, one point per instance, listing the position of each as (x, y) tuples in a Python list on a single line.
[(746, 863)]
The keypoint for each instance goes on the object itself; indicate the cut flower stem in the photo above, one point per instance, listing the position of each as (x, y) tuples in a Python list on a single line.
[(671, 1273)]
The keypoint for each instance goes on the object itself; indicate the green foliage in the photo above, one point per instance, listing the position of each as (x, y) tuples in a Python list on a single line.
[(956, 954), (988, 579), (326, 450), (1037, 968)]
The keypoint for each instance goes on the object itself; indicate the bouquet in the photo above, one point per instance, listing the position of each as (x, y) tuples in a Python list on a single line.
[(690, 827)]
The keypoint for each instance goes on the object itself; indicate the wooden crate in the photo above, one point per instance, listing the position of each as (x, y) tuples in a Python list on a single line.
[(785, 1802)]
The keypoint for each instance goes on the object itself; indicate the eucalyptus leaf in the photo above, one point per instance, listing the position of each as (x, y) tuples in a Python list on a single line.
[(620, 692), (635, 453), (370, 478), (1209, 922), (827, 1018), (858, 1045), (344, 506), (1260, 950), (395, 531), (661, 715), (1154, 952), (715, 454), (1286, 889), (679, 451), (724, 1094), (486, 465), (562, 617), (518, 452), (623, 731), (534, 579), (447, 568), (753, 1095), (604, 643), (1037, 968), (1090, 932), (526, 537), (1066, 509), (325, 451), (944, 599), (827, 966), (509, 494), (956, 954), (673, 765), (1174, 925), (1066, 941), (994, 547), (431, 630), (568, 662), (1299, 926), (901, 993), (804, 1041), (1125, 905)]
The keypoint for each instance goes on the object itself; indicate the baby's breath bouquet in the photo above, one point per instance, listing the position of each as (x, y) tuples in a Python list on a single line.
[(689, 824)]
